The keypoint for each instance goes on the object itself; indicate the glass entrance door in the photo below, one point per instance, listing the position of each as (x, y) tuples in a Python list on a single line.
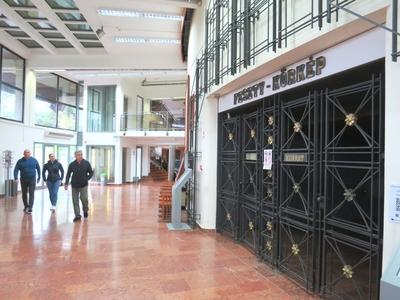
[(102, 161)]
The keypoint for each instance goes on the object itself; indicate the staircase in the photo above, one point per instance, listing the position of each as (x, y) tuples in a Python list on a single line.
[(160, 178)]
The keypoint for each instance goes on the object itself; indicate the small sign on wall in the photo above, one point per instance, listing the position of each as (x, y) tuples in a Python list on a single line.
[(267, 165), (394, 205)]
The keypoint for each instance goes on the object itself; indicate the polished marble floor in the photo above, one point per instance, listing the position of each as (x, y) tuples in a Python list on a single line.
[(123, 252)]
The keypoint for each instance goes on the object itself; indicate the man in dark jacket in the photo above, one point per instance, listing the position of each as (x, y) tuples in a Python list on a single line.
[(27, 166), (81, 171), (54, 178)]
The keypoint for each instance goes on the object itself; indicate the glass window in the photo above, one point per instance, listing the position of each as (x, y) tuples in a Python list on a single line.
[(12, 69), (67, 91), (11, 103), (45, 113), (46, 86), (101, 109), (56, 101), (66, 117)]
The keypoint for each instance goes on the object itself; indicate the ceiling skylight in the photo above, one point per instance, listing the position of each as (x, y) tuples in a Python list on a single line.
[(138, 14)]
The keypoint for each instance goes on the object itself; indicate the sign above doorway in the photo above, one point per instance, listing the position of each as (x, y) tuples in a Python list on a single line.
[(331, 61)]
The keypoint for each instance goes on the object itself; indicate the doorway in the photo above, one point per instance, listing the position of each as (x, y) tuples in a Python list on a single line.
[(64, 154), (102, 161), (316, 214)]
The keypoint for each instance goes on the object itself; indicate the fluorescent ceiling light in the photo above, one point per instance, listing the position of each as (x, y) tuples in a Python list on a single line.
[(142, 40), (138, 14), (49, 70)]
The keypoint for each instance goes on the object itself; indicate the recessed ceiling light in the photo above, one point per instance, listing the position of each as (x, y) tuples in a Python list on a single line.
[(138, 14), (143, 40)]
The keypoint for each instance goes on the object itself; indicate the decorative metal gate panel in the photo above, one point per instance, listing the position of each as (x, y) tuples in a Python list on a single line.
[(250, 180), (270, 178), (298, 173), (353, 199), (228, 176)]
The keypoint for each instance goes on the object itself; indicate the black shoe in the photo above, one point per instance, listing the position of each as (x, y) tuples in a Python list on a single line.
[(29, 211), (85, 215), (25, 210), (77, 218)]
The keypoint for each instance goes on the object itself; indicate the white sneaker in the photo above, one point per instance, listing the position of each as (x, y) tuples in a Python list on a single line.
[(53, 208)]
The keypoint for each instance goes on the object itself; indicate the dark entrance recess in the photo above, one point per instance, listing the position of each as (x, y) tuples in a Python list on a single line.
[(317, 214)]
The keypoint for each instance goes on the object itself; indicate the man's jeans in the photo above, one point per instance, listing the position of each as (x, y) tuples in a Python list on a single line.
[(28, 185), (83, 193), (53, 187)]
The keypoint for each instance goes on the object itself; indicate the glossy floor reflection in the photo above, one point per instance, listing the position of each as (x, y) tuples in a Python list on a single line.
[(122, 252)]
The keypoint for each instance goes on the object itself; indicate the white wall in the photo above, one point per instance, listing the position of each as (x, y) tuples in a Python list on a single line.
[(391, 236), (206, 189)]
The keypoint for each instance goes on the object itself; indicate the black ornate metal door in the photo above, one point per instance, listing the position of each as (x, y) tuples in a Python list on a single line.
[(317, 214), (228, 176), (353, 200), (249, 209), (298, 172), (270, 189)]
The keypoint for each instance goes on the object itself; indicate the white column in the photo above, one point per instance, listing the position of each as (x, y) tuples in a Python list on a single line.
[(145, 160), (207, 164), (132, 153), (118, 162), (391, 240), (171, 162)]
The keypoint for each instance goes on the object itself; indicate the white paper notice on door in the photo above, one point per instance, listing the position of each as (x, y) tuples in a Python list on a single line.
[(267, 165)]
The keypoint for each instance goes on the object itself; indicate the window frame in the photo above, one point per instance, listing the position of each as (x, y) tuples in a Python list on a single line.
[(2, 47), (58, 102), (91, 108)]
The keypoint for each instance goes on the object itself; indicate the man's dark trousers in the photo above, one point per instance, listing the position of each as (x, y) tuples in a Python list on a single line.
[(28, 185)]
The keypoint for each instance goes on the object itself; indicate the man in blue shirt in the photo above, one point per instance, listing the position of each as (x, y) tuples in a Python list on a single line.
[(27, 166)]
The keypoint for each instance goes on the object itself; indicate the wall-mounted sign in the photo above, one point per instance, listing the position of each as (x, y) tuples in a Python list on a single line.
[(295, 157), (331, 61), (249, 93), (299, 73), (394, 205), (267, 164), (287, 77), (251, 156)]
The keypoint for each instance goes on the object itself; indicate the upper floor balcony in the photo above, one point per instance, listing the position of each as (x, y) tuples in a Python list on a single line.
[(154, 123)]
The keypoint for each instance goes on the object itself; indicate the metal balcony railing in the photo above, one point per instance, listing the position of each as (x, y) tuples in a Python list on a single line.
[(156, 121)]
